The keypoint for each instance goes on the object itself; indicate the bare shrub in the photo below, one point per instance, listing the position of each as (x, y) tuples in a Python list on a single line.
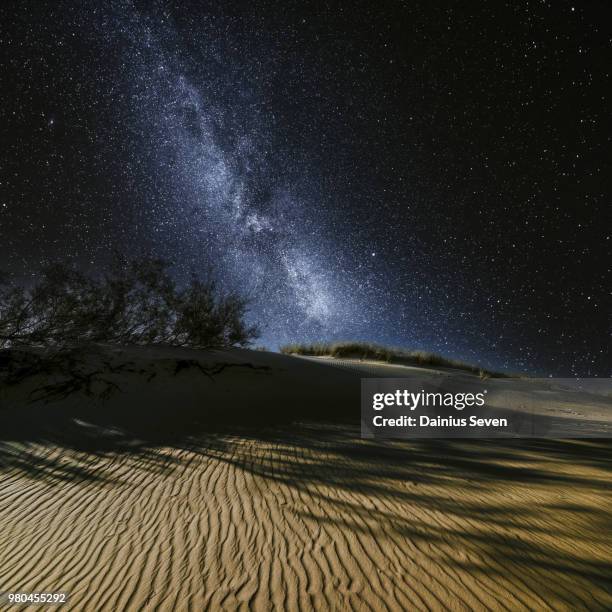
[(135, 302)]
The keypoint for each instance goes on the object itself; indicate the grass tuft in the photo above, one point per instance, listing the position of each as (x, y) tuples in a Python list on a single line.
[(377, 352)]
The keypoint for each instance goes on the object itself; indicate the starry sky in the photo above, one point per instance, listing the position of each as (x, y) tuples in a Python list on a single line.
[(432, 175)]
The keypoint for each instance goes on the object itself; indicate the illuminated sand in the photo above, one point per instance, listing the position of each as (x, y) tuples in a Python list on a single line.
[(136, 505)]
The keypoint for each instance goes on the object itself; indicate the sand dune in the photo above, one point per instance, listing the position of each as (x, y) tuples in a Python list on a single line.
[(132, 513)]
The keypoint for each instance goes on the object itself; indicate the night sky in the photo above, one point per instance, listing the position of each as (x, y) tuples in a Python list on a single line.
[(430, 175)]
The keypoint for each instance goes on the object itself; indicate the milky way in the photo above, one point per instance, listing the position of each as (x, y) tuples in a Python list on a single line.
[(222, 202), (412, 175)]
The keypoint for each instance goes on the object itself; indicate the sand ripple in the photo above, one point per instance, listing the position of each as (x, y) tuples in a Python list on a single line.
[(311, 519)]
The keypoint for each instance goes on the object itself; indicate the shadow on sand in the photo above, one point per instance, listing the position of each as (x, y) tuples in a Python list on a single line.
[(323, 452)]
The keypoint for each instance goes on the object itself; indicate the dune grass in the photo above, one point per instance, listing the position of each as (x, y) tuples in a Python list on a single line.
[(377, 352)]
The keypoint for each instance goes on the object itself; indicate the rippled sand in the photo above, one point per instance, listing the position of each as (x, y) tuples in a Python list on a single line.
[(295, 516)]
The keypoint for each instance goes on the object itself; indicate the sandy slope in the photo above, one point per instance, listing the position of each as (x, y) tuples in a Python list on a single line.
[(133, 504)]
